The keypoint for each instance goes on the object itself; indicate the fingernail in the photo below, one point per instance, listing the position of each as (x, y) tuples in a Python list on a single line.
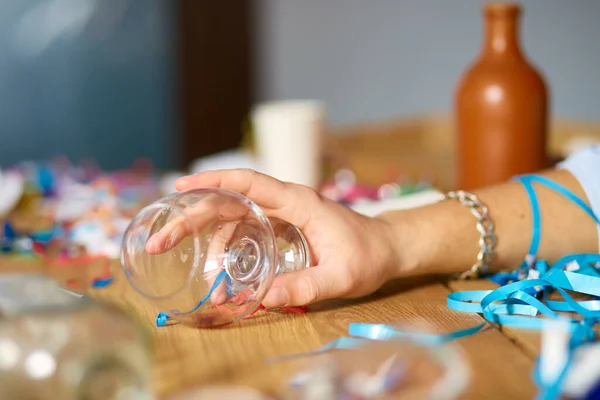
[(153, 245), (277, 297), (183, 180)]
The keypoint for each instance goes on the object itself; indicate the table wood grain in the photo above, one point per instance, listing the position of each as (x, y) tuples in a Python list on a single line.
[(184, 357)]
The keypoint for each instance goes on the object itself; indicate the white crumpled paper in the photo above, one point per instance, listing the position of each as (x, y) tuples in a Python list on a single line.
[(12, 185)]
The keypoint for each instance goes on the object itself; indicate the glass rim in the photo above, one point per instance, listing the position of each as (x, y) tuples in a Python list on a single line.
[(161, 205)]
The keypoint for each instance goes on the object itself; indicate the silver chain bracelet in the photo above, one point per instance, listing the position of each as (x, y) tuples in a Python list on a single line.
[(485, 227)]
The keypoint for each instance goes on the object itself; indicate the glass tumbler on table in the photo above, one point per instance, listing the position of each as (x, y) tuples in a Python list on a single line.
[(54, 345), (208, 257), (381, 370)]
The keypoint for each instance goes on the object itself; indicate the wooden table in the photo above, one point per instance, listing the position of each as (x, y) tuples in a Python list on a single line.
[(423, 147), (501, 361)]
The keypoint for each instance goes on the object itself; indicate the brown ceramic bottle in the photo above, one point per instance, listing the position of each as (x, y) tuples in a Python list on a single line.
[(500, 107)]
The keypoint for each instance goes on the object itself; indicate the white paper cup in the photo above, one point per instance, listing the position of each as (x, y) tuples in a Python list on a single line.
[(288, 140)]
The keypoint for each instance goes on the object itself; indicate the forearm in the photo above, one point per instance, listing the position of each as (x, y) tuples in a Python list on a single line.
[(442, 238)]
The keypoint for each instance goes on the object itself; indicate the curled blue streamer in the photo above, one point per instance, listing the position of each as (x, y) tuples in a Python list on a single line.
[(576, 306), (557, 187), (576, 282), (536, 218), (494, 305), (563, 306), (363, 333), (511, 289), (584, 281), (464, 302), (163, 317), (386, 332), (582, 258), (516, 314)]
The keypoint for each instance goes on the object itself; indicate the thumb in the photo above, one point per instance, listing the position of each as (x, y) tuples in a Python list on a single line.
[(303, 287)]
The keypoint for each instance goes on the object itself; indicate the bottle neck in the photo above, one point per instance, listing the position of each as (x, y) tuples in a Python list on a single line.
[(502, 34)]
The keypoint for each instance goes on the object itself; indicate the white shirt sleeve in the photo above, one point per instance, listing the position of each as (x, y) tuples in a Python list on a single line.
[(585, 166)]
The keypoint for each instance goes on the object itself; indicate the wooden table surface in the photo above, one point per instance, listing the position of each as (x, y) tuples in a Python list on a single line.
[(501, 362)]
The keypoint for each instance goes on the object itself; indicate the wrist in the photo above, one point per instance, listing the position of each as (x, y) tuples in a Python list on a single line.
[(437, 239), (398, 226)]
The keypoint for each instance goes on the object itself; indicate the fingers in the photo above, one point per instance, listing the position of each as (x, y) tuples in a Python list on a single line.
[(305, 287), (289, 202), (262, 189), (168, 236), (197, 218)]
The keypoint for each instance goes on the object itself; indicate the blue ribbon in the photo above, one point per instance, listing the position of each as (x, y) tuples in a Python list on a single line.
[(498, 306), (516, 301), (163, 317), (471, 302), (557, 187), (363, 333), (387, 332)]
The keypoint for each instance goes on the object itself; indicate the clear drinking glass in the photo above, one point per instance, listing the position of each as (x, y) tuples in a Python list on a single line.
[(54, 345), (207, 257), (381, 370)]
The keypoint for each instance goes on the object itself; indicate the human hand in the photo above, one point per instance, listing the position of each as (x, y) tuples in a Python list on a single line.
[(352, 255)]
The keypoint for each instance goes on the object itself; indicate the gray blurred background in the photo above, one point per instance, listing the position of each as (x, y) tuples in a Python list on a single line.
[(86, 78), (371, 60), (100, 78)]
